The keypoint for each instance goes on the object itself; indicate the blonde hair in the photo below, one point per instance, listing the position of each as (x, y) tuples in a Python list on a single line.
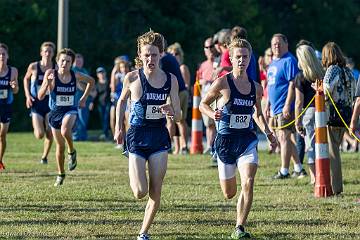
[(176, 48), (47, 44), (239, 43), (151, 38), (121, 61), (309, 63)]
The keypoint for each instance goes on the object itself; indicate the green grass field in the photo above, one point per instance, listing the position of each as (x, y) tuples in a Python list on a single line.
[(96, 201)]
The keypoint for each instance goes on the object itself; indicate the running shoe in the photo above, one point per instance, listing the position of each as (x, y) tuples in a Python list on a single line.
[(300, 174), (59, 180), (279, 175), (2, 166), (184, 151), (207, 151), (143, 236), (213, 162), (44, 161), (240, 233), (118, 146), (125, 153), (72, 162)]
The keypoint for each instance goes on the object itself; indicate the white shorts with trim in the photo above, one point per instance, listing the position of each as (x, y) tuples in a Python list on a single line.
[(227, 171)]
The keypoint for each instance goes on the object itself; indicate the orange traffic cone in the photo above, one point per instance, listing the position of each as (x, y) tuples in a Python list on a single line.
[(322, 161), (196, 123)]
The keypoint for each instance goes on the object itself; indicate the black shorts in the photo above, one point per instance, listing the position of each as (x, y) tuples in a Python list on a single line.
[(145, 141), (41, 107), (56, 116), (5, 113)]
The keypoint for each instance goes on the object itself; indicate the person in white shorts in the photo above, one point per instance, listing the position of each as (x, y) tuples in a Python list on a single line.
[(236, 141)]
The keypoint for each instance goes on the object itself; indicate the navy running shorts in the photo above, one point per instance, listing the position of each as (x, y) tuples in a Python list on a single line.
[(56, 116), (41, 107), (145, 141), (5, 113), (229, 147)]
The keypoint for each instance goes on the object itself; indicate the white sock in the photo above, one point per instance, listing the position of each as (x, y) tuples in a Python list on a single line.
[(284, 171), (298, 167)]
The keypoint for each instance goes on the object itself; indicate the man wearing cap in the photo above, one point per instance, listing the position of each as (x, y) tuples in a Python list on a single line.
[(103, 100)]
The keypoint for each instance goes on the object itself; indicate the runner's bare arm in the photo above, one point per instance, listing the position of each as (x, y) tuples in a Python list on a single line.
[(174, 96), (47, 84), (26, 81), (90, 82), (213, 94), (122, 102), (260, 119), (14, 80)]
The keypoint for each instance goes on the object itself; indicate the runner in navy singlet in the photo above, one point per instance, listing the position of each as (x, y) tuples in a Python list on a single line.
[(61, 84), (40, 109), (8, 87), (238, 100), (148, 138)]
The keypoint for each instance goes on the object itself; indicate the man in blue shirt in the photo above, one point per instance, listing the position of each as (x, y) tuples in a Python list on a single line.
[(280, 75)]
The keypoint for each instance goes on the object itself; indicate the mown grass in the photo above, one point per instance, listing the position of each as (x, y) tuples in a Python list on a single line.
[(96, 200)]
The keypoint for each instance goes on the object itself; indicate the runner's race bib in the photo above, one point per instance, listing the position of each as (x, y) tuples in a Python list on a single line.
[(3, 93), (153, 112), (239, 121), (64, 100)]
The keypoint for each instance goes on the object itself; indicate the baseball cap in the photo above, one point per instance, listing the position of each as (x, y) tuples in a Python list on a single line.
[(100, 69)]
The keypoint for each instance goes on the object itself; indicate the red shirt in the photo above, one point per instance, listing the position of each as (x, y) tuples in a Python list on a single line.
[(225, 62), (263, 77)]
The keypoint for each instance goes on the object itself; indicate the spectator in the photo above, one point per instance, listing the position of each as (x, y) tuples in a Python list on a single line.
[(349, 143), (120, 69), (225, 66), (176, 50), (281, 74), (205, 73), (169, 64), (338, 81), (103, 101), (264, 62), (80, 129), (310, 71)]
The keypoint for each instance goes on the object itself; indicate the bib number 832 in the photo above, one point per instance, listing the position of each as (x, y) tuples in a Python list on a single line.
[(239, 121)]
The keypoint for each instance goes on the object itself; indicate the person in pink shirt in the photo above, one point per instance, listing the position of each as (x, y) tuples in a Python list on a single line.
[(205, 74)]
